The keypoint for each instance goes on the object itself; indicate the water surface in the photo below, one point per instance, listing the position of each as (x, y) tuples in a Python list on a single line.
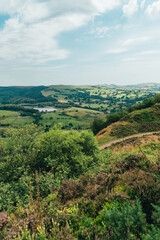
[(49, 109)]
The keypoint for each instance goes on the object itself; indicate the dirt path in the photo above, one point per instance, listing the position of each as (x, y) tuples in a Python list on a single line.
[(126, 138)]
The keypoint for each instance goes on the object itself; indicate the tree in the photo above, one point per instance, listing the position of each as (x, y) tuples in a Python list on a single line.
[(65, 153), (97, 125)]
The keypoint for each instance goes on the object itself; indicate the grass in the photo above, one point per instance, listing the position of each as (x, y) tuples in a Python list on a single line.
[(106, 139), (17, 121), (13, 118), (149, 145), (100, 96), (76, 117), (4, 114), (104, 136), (55, 118), (23, 120)]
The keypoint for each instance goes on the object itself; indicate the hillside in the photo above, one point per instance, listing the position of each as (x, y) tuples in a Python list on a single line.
[(138, 119), (61, 187), (101, 98), (19, 95)]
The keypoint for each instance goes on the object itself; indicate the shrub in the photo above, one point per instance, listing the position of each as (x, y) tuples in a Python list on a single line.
[(143, 185), (125, 222), (153, 234), (70, 189), (65, 153)]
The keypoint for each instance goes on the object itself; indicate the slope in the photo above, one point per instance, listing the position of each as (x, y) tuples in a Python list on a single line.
[(140, 118)]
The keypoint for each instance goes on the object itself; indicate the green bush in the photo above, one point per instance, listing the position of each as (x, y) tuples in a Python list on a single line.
[(125, 222), (65, 153), (153, 234), (142, 184)]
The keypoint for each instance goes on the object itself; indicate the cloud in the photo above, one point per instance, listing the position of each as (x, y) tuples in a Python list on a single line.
[(99, 32), (116, 51), (131, 8), (149, 52), (131, 59), (103, 5), (135, 41), (36, 42), (142, 3), (31, 32), (141, 56), (153, 10)]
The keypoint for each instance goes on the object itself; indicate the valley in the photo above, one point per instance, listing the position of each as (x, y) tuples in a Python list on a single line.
[(77, 105), (79, 120), (80, 172)]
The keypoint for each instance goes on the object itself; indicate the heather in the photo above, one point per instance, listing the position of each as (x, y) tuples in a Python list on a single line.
[(59, 185)]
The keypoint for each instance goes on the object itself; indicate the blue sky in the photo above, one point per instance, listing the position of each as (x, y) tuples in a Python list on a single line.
[(45, 42)]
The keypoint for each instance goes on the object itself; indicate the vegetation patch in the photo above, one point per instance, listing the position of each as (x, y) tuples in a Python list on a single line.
[(58, 185)]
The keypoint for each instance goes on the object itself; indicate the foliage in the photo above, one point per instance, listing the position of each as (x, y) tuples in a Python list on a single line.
[(124, 130), (18, 95), (114, 117), (97, 125), (125, 222), (154, 233), (57, 155), (64, 153), (57, 185)]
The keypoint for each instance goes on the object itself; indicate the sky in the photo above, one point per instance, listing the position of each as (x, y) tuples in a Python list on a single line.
[(79, 42)]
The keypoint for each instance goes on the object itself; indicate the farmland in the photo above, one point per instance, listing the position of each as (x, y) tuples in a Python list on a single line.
[(77, 106), (101, 98), (77, 118), (13, 118)]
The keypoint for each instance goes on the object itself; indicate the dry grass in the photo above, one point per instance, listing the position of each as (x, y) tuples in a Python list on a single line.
[(133, 145), (104, 135)]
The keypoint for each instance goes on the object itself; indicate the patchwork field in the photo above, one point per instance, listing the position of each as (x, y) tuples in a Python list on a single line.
[(78, 105), (13, 118), (71, 118), (101, 98)]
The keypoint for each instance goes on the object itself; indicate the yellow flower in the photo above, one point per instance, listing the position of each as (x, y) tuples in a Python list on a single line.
[(38, 227)]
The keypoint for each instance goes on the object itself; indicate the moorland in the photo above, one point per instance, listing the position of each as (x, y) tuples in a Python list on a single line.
[(56, 182)]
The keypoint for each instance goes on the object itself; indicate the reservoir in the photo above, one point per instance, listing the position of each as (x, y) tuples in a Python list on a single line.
[(48, 109)]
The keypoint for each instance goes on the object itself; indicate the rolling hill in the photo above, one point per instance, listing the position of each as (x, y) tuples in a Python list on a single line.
[(140, 118)]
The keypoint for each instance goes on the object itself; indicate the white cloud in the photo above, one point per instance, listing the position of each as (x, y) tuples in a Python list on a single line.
[(99, 32), (149, 52), (153, 10), (116, 50), (139, 56), (34, 25), (131, 8), (11, 6), (135, 41), (142, 3), (131, 59), (103, 5)]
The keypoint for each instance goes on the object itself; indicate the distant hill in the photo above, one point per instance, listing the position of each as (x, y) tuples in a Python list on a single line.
[(103, 98), (18, 95), (147, 86), (140, 86)]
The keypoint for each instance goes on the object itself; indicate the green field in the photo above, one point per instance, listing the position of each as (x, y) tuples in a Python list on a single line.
[(78, 105), (5, 114), (101, 98), (51, 119), (13, 118), (71, 117)]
